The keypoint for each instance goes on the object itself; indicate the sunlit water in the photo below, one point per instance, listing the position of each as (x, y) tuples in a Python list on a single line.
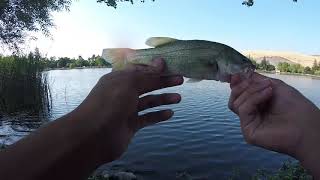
[(203, 139)]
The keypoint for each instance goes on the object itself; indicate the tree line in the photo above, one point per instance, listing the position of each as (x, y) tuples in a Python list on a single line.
[(286, 67), (298, 68), (66, 62)]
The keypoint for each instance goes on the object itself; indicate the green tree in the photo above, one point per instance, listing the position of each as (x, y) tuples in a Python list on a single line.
[(264, 64), (19, 17), (283, 67), (62, 62), (270, 67), (315, 66), (308, 70)]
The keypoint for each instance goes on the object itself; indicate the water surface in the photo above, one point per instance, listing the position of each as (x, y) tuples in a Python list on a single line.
[(203, 138)]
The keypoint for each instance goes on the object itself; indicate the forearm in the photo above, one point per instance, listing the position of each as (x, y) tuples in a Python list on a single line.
[(64, 149), (309, 154)]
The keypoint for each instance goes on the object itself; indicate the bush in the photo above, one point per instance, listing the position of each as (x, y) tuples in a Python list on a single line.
[(289, 170), (317, 73)]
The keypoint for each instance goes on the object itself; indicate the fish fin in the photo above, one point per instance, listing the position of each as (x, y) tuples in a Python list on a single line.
[(117, 57), (193, 80), (159, 41)]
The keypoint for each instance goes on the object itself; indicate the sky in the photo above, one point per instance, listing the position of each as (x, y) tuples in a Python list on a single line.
[(278, 25)]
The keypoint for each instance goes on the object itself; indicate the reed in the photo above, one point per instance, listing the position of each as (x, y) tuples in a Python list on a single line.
[(23, 85)]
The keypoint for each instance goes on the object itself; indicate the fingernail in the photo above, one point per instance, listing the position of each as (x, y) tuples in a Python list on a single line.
[(175, 98), (168, 113)]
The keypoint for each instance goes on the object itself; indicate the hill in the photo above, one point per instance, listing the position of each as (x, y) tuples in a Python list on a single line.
[(274, 57)]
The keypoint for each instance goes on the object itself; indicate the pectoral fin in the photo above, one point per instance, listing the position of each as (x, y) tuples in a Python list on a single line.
[(159, 41), (194, 80)]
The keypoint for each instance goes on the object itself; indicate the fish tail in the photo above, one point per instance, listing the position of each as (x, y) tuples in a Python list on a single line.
[(117, 57)]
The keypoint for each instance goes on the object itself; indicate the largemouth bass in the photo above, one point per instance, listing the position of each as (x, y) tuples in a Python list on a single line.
[(194, 59)]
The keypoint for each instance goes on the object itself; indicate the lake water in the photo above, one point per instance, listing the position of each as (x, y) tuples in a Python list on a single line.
[(203, 138)]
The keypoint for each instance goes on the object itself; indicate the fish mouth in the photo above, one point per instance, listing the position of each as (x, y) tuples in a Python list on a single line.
[(248, 71)]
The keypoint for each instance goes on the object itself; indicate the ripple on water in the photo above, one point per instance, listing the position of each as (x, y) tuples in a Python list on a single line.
[(203, 138)]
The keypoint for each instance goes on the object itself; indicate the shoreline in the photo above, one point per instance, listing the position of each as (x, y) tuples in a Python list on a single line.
[(84, 67), (290, 74), (259, 71)]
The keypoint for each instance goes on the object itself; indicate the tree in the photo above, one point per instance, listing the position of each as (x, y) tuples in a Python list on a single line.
[(62, 62), (308, 70), (270, 67), (284, 67), (315, 66), (264, 64), (19, 17), (113, 3)]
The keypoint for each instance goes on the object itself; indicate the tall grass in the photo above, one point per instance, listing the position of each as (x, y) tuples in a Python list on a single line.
[(23, 86)]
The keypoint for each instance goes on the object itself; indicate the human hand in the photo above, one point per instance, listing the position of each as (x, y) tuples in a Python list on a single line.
[(113, 105), (274, 115)]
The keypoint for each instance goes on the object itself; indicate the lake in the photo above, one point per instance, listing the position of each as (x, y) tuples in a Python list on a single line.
[(203, 139)]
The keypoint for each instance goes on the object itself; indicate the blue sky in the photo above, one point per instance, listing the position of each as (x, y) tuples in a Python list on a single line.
[(279, 25)]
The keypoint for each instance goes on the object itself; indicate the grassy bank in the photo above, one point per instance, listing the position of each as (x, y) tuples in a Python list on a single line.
[(23, 86), (289, 171)]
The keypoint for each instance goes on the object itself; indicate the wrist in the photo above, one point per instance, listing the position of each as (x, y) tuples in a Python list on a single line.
[(309, 147)]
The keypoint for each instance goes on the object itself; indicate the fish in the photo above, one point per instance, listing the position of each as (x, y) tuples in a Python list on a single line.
[(194, 59)]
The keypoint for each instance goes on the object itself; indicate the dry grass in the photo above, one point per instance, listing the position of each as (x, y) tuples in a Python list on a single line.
[(304, 60)]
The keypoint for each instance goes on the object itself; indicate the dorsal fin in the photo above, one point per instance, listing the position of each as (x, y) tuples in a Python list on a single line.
[(159, 41)]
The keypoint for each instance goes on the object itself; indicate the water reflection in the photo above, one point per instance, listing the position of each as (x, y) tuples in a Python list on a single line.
[(203, 138)]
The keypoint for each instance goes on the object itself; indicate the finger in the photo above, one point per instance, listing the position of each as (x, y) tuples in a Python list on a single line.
[(256, 87), (256, 77), (237, 90), (151, 101), (153, 118), (235, 79), (156, 66), (147, 83), (251, 104)]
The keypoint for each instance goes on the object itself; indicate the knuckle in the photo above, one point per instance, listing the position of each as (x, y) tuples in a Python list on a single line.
[(249, 137)]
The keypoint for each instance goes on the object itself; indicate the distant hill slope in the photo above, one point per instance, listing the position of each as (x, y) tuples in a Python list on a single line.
[(274, 57)]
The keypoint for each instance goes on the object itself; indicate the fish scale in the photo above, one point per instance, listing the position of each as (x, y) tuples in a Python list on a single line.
[(195, 59)]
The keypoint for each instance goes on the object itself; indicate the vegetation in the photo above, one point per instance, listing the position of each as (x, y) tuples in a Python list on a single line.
[(264, 65), (23, 86), (289, 170), (286, 67), (65, 62), (19, 18), (297, 68)]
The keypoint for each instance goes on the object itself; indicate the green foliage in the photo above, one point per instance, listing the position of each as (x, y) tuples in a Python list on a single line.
[(308, 70), (317, 72), (295, 68), (23, 86), (19, 17), (284, 67), (289, 170), (315, 66), (65, 62), (113, 3), (265, 65)]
